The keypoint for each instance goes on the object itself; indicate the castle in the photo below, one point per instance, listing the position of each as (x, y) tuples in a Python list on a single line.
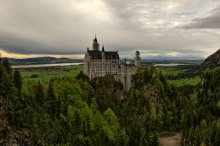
[(100, 63)]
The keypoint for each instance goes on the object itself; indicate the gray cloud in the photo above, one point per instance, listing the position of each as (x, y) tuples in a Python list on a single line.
[(210, 21), (68, 26)]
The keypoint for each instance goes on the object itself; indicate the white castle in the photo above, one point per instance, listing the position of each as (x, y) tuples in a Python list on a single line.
[(100, 63)]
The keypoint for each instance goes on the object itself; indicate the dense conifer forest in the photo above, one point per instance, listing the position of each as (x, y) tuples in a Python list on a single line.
[(75, 111)]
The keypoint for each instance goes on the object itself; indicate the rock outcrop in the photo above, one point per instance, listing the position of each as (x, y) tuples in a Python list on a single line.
[(212, 61)]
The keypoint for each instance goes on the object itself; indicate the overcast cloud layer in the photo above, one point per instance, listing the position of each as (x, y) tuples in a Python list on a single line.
[(155, 27)]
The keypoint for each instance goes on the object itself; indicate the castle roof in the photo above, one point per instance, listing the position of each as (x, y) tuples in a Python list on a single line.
[(96, 54)]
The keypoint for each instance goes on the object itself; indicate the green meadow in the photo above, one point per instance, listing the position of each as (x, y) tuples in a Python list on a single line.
[(171, 70), (182, 82), (72, 71), (45, 76), (175, 71)]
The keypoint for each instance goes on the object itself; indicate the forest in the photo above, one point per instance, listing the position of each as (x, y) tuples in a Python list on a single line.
[(70, 111)]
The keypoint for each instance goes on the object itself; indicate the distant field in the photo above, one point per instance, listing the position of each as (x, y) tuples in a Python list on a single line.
[(171, 70), (43, 75), (182, 82), (190, 62), (180, 76)]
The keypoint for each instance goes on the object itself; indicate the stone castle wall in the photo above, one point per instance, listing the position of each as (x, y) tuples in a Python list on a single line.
[(121, 71)]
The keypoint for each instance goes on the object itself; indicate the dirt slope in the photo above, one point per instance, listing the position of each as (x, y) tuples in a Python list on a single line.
[(171, 140)]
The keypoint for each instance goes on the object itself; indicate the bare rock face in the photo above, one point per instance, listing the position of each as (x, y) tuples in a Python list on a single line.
[(212, 61)]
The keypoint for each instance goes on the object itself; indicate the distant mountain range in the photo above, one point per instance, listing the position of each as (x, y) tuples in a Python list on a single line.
[(165, 57), (42, 60), (172, 58), (51, 60)]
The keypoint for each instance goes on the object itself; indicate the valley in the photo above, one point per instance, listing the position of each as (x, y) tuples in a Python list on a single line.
[(163, 107)]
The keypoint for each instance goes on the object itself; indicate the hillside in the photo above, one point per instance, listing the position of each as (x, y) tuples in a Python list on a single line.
[(206, 98), (212, 61), (42, 60), (9, 135), (76, 111)]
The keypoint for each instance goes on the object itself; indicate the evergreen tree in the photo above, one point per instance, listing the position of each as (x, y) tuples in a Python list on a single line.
[(2, 79), (52, 101), (217, 138), (51, 93), (153, 113), (155, 140), (82, 76), (39, 94), (7, 65), (18, 81), (7, 90)]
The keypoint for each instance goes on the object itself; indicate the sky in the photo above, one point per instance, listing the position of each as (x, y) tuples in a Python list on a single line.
[(65, 28)]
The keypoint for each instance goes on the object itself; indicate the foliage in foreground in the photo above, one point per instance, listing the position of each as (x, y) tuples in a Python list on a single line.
[(76, 111), (202, 123)]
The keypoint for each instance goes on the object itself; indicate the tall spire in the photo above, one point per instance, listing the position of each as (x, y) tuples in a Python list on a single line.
[(103, 47), (95, 44), (95, 39)]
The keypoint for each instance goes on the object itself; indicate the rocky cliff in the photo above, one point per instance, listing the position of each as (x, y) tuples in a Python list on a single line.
[(212, 61)]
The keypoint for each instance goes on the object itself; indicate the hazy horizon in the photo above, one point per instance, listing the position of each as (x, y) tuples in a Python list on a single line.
[(156, 58)]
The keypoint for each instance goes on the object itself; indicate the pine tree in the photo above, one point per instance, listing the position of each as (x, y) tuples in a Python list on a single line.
[(7, 89), (153, 113), (2, 76), (18, 81), (39, 94), (7, 65), (51, 93), (155, 140), (217, 138), (53, 103)]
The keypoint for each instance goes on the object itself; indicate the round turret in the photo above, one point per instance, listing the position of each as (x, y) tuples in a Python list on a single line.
[(137, 53), (137, 60)]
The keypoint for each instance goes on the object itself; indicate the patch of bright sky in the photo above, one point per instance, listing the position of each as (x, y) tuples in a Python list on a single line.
[(19, 56), (167, 15)]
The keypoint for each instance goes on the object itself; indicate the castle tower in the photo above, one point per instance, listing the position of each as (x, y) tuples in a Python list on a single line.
[(95, 44), (137, 59), (103, 61)]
